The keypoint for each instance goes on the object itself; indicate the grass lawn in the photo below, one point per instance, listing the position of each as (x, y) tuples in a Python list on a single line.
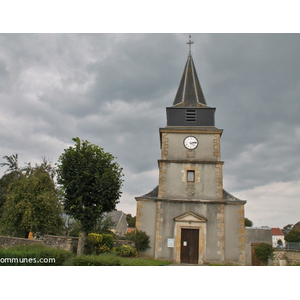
[(127, 261), (36, 255)]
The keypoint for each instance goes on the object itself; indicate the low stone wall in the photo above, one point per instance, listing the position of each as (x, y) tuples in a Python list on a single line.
[(61, 242), (284, 257), (54, 241), (58, 242), (6, 242), (119, 243)]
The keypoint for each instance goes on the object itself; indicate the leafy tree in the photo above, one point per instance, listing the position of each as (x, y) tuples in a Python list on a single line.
[(130, 220), (248, 223), (11, 173), (293, 236), (287, 228), (72, 227), (31, 205), (264, 252), (91, 181), (5, 181), (12, 163), (140, 239), (103, 225)]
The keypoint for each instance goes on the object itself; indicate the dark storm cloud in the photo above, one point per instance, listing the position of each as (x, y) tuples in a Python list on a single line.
[(112, 90)]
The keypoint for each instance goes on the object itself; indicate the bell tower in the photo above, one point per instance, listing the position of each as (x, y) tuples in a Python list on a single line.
[(190, 165)]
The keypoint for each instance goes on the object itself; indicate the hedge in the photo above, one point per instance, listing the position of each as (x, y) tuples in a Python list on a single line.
[(95, 260)]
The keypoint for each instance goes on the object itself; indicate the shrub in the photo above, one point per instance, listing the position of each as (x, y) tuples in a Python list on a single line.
[(127, 251), (95, 260), (104, 249), (264, 252), (95, 238), (293, 236), (108, 240), (140, 239), (33, 255), (99, 243)]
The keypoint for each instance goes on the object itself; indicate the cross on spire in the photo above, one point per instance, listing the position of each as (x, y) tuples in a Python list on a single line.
[(190, 42)]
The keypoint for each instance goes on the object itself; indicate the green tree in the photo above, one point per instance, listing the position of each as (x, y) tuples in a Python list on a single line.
[(140, 239), (91, 181), (293, 236), (288, 227), (264, 252), (10, 174), (5, 181), (248, 223), (130, 220), (31, 205), (104, 225), (11, 162)]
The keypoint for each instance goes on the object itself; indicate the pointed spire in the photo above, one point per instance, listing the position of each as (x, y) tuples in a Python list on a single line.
[(189, 92)]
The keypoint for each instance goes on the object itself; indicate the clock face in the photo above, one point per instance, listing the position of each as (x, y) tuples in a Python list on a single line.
[(190, 142)]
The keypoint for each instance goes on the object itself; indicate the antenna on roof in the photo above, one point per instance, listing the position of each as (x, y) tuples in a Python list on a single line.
[(190, 42)]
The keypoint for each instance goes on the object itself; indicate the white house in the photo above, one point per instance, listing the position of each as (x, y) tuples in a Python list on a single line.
[(276, 236)]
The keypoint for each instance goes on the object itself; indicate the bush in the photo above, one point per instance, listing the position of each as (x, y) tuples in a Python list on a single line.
[(95, 260), (99, 243), (108, 240), (33, 255), (104, 249), (293, 236), (264, 252), (95, 238), (127, 251), (140, 239)]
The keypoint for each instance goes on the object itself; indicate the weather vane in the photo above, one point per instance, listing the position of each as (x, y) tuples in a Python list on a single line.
[(190, 42)]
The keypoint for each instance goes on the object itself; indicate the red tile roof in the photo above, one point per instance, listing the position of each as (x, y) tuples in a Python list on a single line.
[(130, 229), (276, 231)]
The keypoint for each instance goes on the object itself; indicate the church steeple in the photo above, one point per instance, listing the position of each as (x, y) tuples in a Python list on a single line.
[(189, 106), (189, 93)]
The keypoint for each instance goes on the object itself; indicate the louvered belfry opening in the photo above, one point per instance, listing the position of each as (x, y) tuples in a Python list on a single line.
[(190, 115)]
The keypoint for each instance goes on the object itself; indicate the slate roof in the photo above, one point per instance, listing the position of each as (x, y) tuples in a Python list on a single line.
[(152, 194), (227, 197), (115, 217), (296, 226), (230, 198), (189, 93)]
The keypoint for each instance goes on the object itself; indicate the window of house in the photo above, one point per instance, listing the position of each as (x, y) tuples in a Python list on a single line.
[(191, 176)]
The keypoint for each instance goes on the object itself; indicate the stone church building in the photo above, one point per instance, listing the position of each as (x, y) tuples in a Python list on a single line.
[(189, 217)]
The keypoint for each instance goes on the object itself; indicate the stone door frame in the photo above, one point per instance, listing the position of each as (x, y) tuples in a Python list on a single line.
[(190, 220)]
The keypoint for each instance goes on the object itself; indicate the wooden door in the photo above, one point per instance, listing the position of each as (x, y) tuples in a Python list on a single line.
[(189, 246)]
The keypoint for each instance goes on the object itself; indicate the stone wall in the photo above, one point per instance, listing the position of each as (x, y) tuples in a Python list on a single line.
[(119, 243), (6, 242), (61, 242), (284, 257), (58, 242)]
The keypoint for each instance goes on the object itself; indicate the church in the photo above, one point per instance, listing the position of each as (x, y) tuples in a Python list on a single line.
[(189, 217)]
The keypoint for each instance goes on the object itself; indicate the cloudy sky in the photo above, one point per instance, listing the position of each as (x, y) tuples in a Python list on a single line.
[(112, 90)]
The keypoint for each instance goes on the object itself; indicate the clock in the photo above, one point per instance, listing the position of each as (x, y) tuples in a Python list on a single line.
[(190, 142)]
